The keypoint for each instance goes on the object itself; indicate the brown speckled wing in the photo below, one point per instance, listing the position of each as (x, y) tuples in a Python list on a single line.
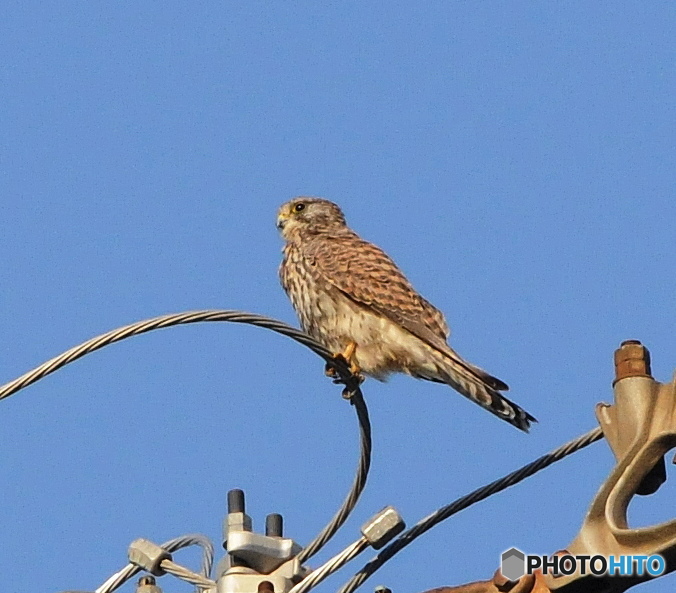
[(366, 274)]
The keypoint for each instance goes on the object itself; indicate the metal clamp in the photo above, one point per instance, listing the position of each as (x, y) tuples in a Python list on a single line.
[(148, 556), (383, 527)]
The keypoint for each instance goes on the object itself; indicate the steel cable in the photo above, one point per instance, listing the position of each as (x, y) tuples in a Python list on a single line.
[(331, 566), (465, 501), (350, 502), (196, 539), (147, 325), (183, 573)]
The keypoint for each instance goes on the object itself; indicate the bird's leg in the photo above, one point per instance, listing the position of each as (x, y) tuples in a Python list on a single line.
[(347, 356)]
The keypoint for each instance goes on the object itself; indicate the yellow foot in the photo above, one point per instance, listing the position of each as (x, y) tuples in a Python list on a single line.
[(347, 357)]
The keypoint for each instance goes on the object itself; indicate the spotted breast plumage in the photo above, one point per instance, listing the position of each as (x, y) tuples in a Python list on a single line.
[(352, 298)]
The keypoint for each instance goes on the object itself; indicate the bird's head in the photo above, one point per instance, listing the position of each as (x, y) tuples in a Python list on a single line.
[(311, 215)]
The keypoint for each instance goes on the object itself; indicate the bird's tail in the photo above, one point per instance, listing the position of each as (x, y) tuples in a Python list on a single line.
[(480, 387)]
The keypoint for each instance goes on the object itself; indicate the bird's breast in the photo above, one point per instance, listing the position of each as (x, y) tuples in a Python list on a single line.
[(335, 320)]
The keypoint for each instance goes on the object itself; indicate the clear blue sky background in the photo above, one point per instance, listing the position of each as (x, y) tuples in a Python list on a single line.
[(515, 158)]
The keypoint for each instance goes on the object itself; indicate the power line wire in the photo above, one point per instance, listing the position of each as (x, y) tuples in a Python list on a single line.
[(465, 501), (147, 325)]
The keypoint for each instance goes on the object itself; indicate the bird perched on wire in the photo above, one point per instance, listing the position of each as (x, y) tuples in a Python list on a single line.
[(352, 298)]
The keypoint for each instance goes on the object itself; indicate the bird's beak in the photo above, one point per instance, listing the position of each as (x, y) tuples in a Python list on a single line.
[(282, 219)]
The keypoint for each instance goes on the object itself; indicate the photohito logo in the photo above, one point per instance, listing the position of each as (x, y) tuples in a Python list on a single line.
[(514, 564)]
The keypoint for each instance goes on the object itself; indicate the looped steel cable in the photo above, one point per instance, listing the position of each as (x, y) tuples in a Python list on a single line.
[(142, 327), (352, 390), (207, 546), (465, 501)]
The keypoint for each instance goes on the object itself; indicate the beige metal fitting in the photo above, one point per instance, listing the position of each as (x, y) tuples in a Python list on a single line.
[(640, 427), (383, 527)]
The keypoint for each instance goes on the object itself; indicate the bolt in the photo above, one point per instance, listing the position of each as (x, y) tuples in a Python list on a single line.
[(632, 359), (274, 525), (235, 501), (146, 584)]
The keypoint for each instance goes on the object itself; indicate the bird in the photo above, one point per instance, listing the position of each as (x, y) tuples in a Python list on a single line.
[(353, 299)]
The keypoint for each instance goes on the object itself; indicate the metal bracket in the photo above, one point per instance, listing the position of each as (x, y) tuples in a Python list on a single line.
[(640, 428), (256, 562)]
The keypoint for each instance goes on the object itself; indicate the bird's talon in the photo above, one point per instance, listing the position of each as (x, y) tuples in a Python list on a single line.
[(352, 385), (331, 371)]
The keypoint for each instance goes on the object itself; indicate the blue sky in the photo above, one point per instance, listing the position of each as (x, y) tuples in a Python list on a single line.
[(517, 161)]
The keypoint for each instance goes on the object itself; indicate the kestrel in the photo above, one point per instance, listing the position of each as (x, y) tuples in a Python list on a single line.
[(352, 298)]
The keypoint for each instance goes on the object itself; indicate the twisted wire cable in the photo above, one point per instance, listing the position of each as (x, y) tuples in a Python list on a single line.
[(142, 327), (358, 484), (118, 579), (181, 572), (465, 501), (331, 566), (197, 539)]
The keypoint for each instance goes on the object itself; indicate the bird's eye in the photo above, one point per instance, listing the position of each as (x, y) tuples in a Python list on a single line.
[(299, 207)]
